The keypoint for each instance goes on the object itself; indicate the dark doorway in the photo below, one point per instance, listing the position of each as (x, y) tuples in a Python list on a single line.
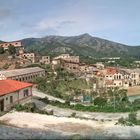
[(2, 105)]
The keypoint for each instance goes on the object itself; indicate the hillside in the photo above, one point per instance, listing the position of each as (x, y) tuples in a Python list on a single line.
[(83, 45)]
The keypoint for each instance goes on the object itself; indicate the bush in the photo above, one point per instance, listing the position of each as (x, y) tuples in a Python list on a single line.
[(67, 102), (30, 107), (100, 101), (121, 121), (19, 107), (73, 114), (51, 112), (46, 100), (132, 117)]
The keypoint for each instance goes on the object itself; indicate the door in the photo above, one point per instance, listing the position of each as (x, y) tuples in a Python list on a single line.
[(2, 105)]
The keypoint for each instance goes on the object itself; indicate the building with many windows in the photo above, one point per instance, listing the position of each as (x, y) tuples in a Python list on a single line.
[(26, 74), (16, 44)]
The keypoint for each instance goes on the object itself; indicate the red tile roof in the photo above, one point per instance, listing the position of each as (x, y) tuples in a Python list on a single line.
[(8, 86), (111, 71)]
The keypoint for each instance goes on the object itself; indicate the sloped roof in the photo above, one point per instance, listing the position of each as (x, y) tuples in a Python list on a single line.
[(111, 71), (8, 86), (17, 72)]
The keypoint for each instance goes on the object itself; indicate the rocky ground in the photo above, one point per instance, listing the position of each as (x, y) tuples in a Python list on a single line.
[(32, 125)]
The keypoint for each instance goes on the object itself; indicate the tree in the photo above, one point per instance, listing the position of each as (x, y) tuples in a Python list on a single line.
[(1, 50), (100, 101), (12, 50)]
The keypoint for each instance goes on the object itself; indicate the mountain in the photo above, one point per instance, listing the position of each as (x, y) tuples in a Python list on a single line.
[(83, 45)]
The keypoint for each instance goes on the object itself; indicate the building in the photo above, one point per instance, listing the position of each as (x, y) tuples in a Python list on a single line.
[(113, 78), (70, 66), (45, 60), (14, 92), (26, 74), (68, 58), (29, 56), (100, 65), (16, 44), (121, 77)]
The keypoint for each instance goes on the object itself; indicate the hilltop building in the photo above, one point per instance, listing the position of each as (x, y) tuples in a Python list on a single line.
[(45, 60), (29, 56), (16, 44), (68, 58)]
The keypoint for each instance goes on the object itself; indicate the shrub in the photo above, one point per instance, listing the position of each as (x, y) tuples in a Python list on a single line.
[(19, 107), (30, 107), (132, 117), (67, 102), (121, 121), (50, 112), (73, 114), (46, 100), (100, 101)]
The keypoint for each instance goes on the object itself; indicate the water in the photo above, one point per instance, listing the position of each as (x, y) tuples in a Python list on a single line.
[(132, 98)]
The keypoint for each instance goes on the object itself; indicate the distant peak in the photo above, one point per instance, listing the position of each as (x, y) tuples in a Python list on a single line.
[(86, 35)]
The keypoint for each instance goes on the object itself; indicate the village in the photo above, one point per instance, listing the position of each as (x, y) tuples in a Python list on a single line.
[(97, 75), (52, 85)]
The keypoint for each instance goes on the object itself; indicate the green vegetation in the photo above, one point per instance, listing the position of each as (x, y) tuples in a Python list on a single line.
[(1, 50), (99, 101), (82, 45), (101, 104), (63, 85), (6, 66), (31, 107), (130, 121), (12, 50), (41, 83)]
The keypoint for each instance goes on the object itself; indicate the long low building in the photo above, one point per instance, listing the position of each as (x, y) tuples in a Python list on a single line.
[(16, 44), (26, 74), (14, 92)]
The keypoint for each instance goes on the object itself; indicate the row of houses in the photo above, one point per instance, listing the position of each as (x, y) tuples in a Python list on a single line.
[(16, 44), (121, 77)]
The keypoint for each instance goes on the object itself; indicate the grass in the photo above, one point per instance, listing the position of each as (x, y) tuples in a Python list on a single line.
[(107, 108)]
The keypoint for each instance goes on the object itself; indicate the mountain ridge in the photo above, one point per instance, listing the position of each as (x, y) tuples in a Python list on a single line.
[(83, 45)]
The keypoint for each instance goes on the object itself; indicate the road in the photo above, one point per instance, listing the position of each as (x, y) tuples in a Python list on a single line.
[(40, 94)]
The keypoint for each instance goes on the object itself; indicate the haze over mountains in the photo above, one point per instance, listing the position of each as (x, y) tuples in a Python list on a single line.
[(83, 45)]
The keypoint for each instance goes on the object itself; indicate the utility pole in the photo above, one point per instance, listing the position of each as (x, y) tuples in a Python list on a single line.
[(114, 101)]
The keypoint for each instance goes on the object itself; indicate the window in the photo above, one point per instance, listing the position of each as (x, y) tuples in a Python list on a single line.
[(6, 98), (11, 99), (26, 92)]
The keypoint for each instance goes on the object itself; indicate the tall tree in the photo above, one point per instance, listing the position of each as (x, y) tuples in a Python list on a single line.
[(12, 50)]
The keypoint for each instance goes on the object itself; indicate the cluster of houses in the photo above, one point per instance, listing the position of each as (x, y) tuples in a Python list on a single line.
[(121, 77), (14, 88)]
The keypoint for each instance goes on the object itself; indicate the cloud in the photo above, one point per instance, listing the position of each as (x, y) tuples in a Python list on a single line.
[(5, 13), (46, 26)]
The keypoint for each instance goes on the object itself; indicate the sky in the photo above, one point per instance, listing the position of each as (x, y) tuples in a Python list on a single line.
[(116, 20)]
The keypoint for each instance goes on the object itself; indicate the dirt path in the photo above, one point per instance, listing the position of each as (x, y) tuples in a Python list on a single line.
[(64, 112), (70, 126)]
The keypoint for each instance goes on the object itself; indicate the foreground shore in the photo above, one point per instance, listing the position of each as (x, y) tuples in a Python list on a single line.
[(51, 126)]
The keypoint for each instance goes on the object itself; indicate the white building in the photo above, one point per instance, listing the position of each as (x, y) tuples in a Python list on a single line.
[(14, 92)]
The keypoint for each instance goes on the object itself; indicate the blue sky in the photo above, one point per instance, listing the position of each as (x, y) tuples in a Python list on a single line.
[(116, 20)]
